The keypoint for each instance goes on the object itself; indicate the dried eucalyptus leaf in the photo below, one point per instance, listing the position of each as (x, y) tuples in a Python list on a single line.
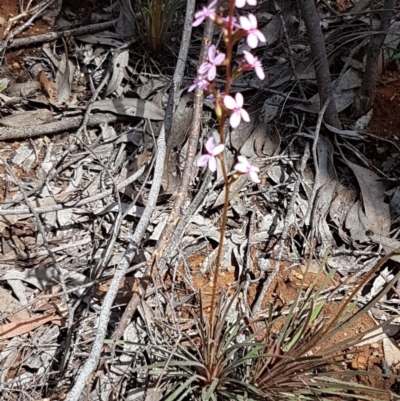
[(120, 62), (373, 193), (64, 78), (340, 206), (21, 154), (271, 108), (135, 211), (130, 107), (28, 118)]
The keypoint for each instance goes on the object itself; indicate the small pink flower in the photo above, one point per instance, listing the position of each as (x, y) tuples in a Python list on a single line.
[(210, 66), (242, 3), (238, 112), (249, 24), (245, 167), (254, 63), (210, 157), (206, 12), (234, 22), (200, 82)]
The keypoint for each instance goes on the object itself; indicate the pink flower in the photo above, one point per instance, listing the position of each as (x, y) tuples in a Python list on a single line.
[(234, 22), (200, 82), (242, 3), (206, 12), (236, 105), (249, 24), (245, 167), (210, 66), (254, 63), (209, 158)]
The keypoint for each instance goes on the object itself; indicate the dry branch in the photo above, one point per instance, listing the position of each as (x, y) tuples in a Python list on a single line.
[(176, 212), (94, 356), (48, 37), (320, 60), (7, 133)]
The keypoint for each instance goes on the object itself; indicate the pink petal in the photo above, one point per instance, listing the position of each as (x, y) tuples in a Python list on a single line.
[(219, 59), (192, 87), (212, 164), (235, 119), (260, 73), (245, 23), (253, 21), (203, 160), (240, 3), (254, 169), (229, 102), (252, 40), (241, 168), (212, 72), (248, 57), (260, 36), (198, 21), (245, 115), (211, 52), (252, 2), (218, 149), (210, 145), (204, 67), (239, 100), (254, 177), (244, 161)]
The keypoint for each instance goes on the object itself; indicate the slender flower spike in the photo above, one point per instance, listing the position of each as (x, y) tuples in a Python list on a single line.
[(242, 3), (210, 157), (245, 167), (238, 112), (206, 12), (210, 66), (199, 82), (249, 24), (254, 63)]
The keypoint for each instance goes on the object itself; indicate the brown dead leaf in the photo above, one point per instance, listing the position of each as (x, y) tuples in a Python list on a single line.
[(8, 304), (10, 330), (49, 86)]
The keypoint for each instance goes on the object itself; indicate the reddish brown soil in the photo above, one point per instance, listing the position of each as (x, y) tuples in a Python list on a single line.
[(385, 124)]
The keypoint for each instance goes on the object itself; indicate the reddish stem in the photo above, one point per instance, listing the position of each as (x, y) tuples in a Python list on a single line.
[(229, 48)]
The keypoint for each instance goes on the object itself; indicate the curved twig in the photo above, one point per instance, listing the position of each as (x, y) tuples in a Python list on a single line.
[(94, 356)]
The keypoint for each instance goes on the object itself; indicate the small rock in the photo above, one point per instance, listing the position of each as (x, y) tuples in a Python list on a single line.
[(392, 352)]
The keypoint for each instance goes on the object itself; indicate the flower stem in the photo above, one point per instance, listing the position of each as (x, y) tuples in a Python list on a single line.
[(229, 48)]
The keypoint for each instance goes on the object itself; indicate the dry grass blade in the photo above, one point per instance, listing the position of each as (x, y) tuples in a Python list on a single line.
[(306, 365), (211, 369)]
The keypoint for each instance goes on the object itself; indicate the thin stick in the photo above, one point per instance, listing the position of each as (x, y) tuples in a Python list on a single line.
[(48, 37)]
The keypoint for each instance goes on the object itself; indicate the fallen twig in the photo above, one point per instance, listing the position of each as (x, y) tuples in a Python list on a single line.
[(177, 78), (7, 133), (48, 37), (73, 204), (94, 356), (176, 211)]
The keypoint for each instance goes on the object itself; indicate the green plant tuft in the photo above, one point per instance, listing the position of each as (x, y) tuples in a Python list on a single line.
[(156, 23)]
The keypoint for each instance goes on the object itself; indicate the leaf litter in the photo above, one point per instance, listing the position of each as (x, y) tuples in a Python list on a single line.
[(72, 183)]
